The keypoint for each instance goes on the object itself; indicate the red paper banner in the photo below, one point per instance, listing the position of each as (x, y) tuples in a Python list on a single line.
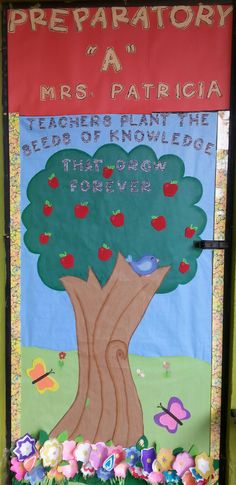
[(119, 60)]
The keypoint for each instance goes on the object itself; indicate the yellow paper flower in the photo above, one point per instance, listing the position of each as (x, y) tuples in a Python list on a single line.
[(204, 465), (165, 459), (51, 453)]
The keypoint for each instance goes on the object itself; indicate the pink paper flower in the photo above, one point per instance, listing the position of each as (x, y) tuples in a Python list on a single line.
[(18, 468), (70, 470), (182, 463), (156, 478), (121, 470), (98, 455), (68, 450), (118, 452)]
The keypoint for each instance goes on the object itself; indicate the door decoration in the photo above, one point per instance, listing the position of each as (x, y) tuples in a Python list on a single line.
[(114, 181)]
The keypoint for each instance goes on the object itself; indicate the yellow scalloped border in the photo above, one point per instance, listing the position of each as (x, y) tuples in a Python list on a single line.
[(218, 282), (14, 156)]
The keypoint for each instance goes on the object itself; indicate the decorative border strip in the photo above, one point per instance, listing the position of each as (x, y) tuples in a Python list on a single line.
[(218, 280), (14, 155)]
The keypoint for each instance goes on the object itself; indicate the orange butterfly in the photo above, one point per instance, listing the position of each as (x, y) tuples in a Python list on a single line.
[(41, 378)]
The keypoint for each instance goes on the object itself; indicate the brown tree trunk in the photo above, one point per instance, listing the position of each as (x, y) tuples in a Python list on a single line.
[(106, 318)]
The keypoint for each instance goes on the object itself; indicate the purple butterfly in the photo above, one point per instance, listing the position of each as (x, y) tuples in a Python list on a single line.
[(173, 415)]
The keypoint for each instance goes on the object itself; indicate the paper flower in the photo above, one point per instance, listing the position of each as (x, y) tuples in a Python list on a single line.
[(68, 450), (148, 455), (188, 479), (51, 452), (87, 470), (30, 462), (98, 455), (171, 476), (204, 465), (82, 452), (137, 472), (182, 463), (156, 478), (55, 474), (196, 475), (164, 459), (70, 470), (25, 447), (156, 467), (105, 475), (35, 476), (132, 455), (121, 470), (18, 468), (118, 452)]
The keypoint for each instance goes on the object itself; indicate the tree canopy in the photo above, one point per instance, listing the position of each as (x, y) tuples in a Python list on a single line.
[(86, 209)]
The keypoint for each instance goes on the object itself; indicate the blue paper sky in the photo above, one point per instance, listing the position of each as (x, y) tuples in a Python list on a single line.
[(177, 323)]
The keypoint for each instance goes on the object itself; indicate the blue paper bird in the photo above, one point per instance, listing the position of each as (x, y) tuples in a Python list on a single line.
[(144, 266)]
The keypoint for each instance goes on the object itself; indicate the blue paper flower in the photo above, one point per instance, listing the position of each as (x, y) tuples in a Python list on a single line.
[(104, 474), (35, 476), (25, 447), (171, 476), (132, 455)]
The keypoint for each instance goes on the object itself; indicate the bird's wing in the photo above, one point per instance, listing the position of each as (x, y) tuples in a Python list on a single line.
[(145, 265)]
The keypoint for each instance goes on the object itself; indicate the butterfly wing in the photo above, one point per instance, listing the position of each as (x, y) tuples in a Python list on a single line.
[(37, 370), (176, 407), (165, 421), (47, 383)]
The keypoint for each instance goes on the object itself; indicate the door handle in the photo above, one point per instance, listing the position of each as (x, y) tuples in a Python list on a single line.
[(208, 244)]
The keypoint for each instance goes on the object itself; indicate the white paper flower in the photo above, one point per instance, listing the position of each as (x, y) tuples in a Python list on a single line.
[(51, 452), (204, 465), (82, 452)]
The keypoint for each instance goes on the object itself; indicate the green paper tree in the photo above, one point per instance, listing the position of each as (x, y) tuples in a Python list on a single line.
[(112, 230)]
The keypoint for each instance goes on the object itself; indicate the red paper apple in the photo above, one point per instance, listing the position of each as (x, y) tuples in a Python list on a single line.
[(184, 266), (104, 253), (108, 171), (158, 222), (117, 218), (190, 231), (53, 181), (170, 188), (81, 210), (44, 237), (47, 208), (67, 260)]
